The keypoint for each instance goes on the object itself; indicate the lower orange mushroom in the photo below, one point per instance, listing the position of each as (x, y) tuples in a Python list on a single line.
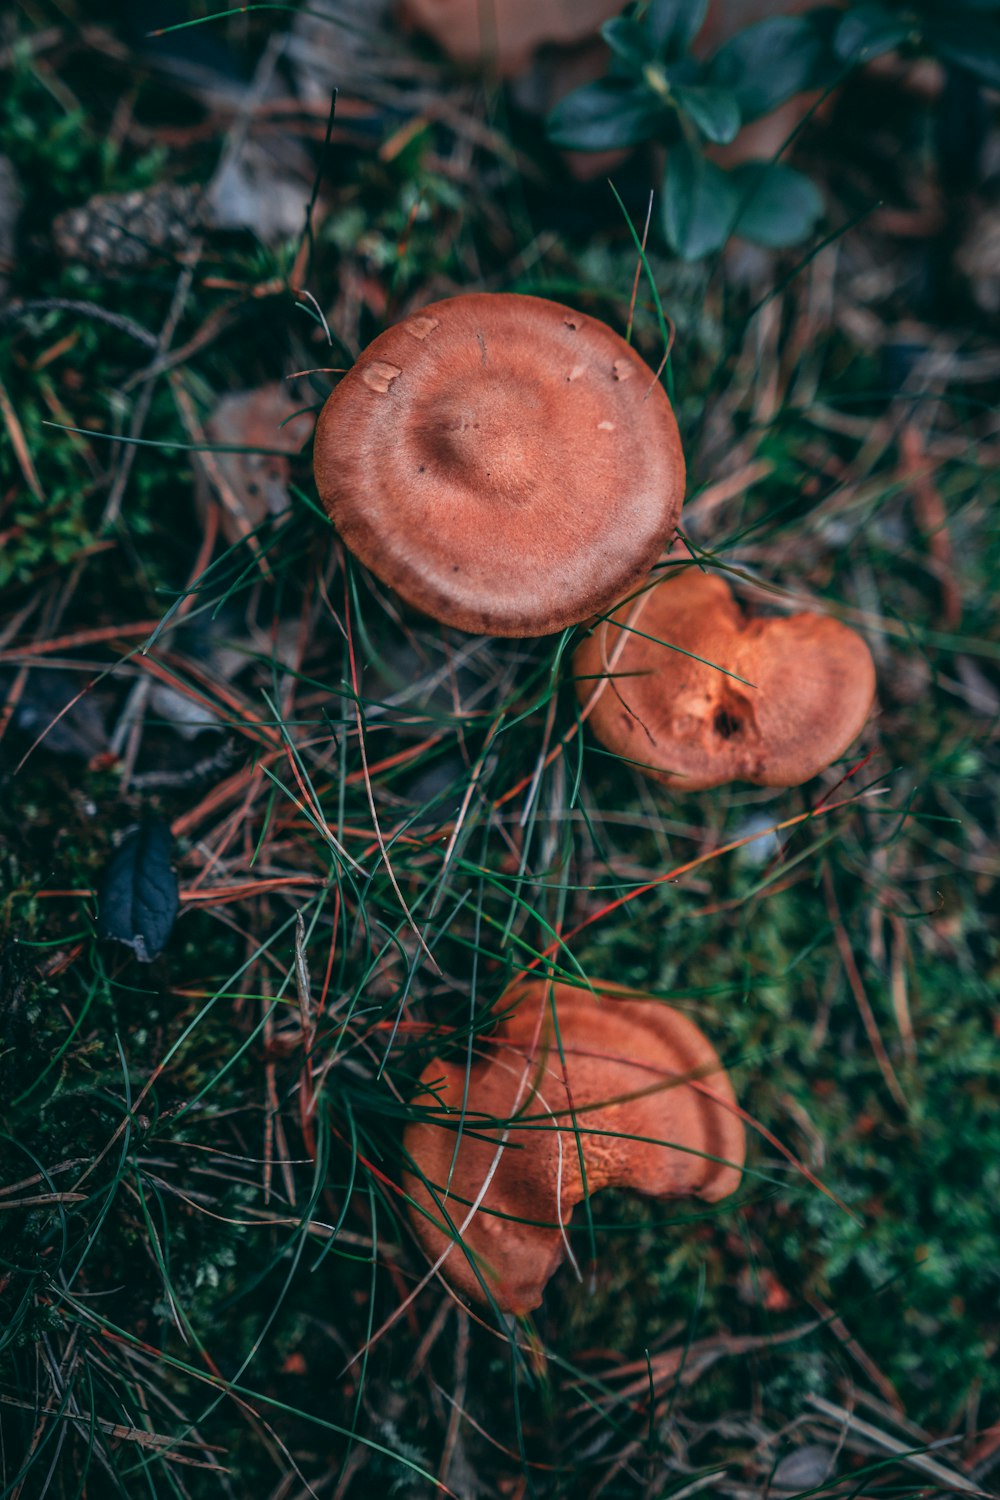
[(680, 683), (578, 1091)]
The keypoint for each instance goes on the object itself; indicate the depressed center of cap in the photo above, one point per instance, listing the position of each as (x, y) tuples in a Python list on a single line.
[(487, 439), (508, 465)]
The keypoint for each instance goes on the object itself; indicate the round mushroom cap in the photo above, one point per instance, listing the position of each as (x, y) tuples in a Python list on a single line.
[(642, 1102), (808, 685), (505, 33), (507, 465)]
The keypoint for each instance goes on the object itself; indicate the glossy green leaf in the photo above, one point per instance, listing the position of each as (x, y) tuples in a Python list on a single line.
[(714, 111), (628, 41), (603, 116), (776, 205), (769, 63), (699, 203), (674, 24), (868, 31)]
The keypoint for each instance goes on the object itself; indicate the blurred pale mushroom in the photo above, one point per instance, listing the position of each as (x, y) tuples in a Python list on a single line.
[(545, 48), (505, 34)]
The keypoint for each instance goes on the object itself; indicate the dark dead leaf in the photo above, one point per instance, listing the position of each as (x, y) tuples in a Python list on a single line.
[(138, 896)]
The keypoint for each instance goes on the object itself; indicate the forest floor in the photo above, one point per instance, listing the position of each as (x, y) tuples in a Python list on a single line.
[(206, 1265)]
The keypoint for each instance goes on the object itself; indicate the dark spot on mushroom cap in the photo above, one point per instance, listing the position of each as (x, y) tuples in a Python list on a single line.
[(726, 724)]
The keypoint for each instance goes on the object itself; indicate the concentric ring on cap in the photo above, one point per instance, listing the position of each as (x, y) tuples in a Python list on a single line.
[(507, 465)]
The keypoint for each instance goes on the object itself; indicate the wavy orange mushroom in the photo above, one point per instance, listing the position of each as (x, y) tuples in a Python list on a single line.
[(508, 465), (628, 1093), (683, 685)]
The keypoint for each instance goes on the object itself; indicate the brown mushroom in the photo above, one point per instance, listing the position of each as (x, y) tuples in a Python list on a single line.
[(662, 679), (505, 33), (506, 464), (626, 1093)]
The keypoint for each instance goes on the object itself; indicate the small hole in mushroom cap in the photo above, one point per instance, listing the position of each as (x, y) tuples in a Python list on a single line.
[(573, 323), (622, 370), (726, 725)]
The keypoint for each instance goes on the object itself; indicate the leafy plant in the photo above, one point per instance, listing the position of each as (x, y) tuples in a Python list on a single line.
[(656, 88)]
